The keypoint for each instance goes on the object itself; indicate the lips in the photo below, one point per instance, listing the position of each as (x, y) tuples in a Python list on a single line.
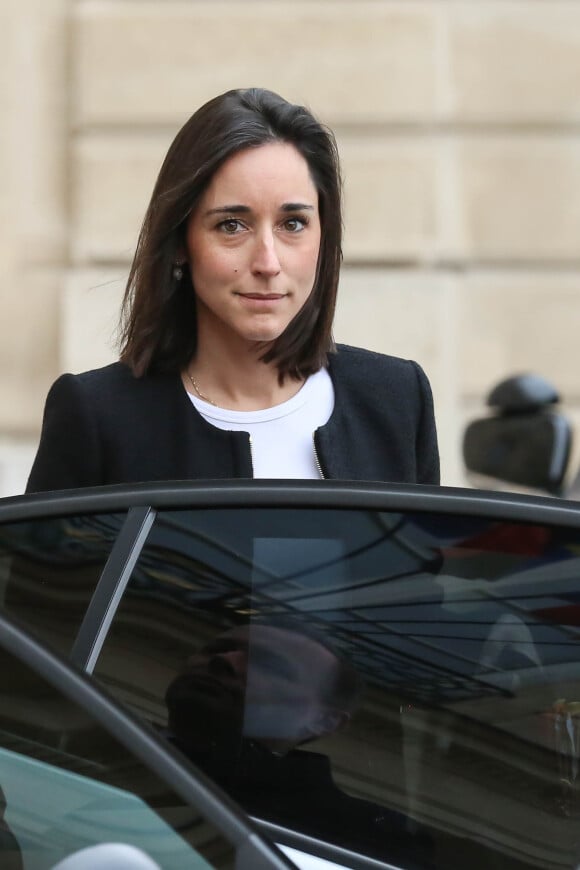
[(262, 297)]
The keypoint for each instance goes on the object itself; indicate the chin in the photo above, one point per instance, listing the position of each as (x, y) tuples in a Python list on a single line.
[(263, 334), (264, 337)]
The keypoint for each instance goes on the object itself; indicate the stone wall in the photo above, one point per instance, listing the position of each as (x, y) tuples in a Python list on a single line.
[(458, 123)]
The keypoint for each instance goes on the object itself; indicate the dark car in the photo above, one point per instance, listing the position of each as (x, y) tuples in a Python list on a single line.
[(380, 676)]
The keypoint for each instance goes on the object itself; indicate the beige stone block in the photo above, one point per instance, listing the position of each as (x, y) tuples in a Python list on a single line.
[(510, 323), (514, 61), (411, 315), (33, 97), (157, 62), (89, 318), (521, 198), (397, 312), (16, 458), (32, 206), (28, 345), (391, 200), (113, 181)]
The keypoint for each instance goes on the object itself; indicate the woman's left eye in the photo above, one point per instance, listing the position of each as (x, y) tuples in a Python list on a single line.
[(294, 224)]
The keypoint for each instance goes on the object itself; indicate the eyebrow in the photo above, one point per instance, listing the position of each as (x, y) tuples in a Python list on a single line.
[(297, 206), (245, 209)]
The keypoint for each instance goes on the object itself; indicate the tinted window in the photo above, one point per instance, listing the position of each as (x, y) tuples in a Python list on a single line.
[(49, 569), (405, 685), (66, 784)]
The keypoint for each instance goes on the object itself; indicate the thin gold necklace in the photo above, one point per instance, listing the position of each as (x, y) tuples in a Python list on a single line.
[(198, 391)]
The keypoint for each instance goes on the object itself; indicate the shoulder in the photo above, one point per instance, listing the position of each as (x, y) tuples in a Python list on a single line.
[(356, 362), (114, 375), (368, 375), (115, 381)]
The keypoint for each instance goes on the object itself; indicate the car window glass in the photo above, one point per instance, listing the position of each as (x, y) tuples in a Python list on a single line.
[(403, 685), (66, 784), (49, 569)]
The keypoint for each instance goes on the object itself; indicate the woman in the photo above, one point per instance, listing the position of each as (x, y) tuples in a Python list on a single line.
[(227, 366)]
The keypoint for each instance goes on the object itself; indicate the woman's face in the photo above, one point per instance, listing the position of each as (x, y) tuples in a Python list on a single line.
[(252, 244)]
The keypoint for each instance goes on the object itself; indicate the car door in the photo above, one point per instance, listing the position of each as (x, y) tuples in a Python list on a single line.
[(378, 675)]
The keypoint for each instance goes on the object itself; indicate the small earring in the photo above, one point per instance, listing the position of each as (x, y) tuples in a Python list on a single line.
[(177, 271)]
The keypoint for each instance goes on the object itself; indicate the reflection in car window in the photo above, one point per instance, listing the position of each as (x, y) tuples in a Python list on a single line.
[(49, 569), (404, 685), (67, 784)]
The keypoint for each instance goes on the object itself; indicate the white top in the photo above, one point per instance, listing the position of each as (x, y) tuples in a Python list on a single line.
[(282, 437)]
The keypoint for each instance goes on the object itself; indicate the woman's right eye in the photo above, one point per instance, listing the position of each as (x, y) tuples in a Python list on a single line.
[(230, 226)]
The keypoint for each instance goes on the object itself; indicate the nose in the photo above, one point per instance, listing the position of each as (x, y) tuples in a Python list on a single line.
[(265, 259)]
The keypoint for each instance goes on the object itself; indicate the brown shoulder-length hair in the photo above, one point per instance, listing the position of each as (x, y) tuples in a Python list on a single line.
[(158, 317)]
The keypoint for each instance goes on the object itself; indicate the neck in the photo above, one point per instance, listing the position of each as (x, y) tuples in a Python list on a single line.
[(234, 377)]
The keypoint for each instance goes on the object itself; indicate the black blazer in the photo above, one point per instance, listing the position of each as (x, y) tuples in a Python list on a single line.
[(106, 426)]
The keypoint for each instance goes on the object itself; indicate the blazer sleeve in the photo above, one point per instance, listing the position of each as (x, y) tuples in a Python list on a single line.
[(69, 452), (426, 443)]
